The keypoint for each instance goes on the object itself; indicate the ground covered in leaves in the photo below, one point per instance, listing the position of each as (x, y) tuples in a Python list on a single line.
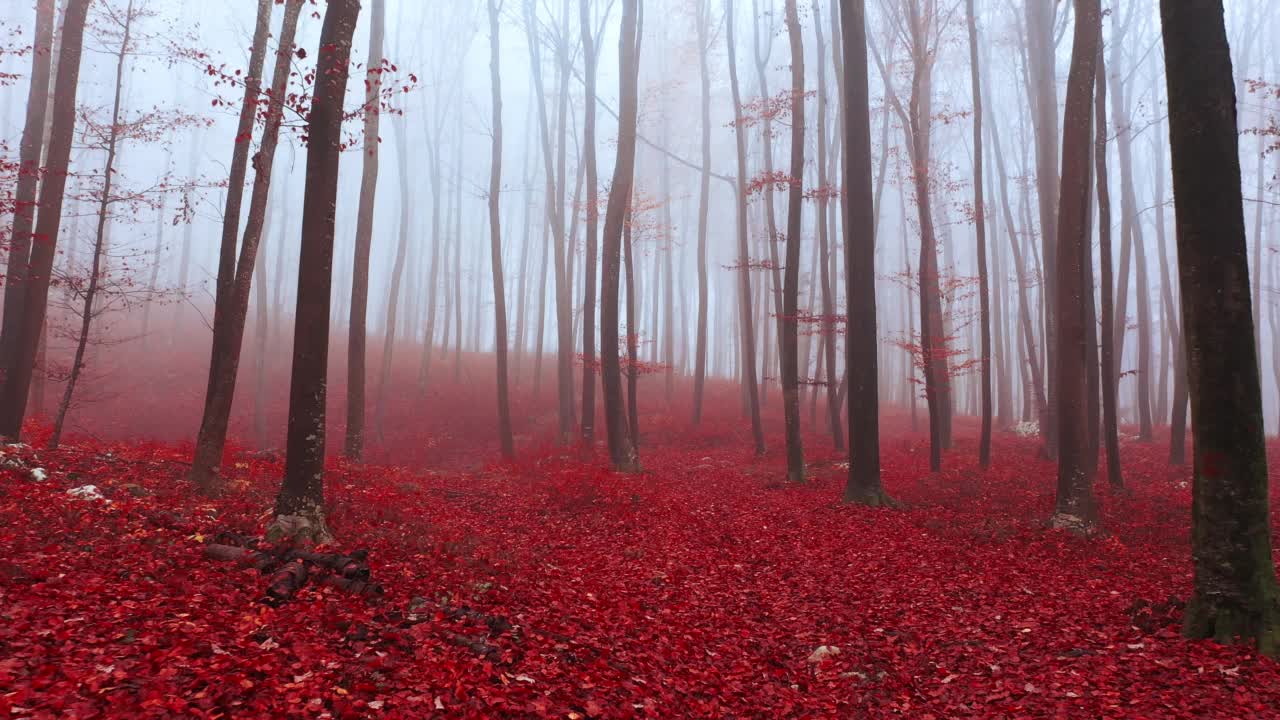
[(704, 587)]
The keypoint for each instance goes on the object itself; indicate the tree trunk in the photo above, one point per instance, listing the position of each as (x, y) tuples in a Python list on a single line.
[(824, 252), (593, 212), (1075, 508), (24, 200), (747, 339), (704, 200), (29, 324), (980, 230), (353, 447), (791, 283), (1110, 430), (621, 450), (863, 484), (495, 240), (302, 492), (99, 238), (633, 360), (228, 329), (1235, 593)]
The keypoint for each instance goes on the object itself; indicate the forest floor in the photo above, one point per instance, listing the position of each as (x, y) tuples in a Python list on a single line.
[(550, 587)]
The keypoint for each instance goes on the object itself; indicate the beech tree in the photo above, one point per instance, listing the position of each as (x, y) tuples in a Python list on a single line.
[(980, 232), (495, 235), (1076, 469), (791, 283), (24, 328), (1235, 591), (300, 503), (228, 328), (356, 374)]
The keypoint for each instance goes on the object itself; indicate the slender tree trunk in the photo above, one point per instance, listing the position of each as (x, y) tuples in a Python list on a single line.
[(704, 201), (593, 212), (980, 230), (1110, 430), (747, 339), (28, 325), (235, 189), (229, 325), (99, 238), (632, 338), (397, 275), (24, 201), (1075, 507), (621, 450), (302, 492), (791, 282), (353, 448), (495, 239), (828, 300), (863, 484), (1235, 595)]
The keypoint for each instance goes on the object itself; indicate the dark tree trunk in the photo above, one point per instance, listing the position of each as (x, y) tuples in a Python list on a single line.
[(357, 329), (704, 199), (235, 192), (302, 493), (1075, 508), (980, 230), (125, 20), (588, 422), (747, 339), (495, 239), (863, 484), (621, 450), (1110, 430), (791, 282), (228, 328), (1235, 595), (828, 301), (28, 324), (24, 201), (633, 361)]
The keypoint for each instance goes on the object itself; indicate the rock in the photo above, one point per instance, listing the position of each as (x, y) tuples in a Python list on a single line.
[(88, 492), (823, 653), (39, 474)]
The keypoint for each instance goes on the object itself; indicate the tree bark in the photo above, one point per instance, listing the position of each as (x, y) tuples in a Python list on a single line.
[(791, 277), (863, 484), (980, 231), (834, 424), (302, 492), (588, 421), (357, 328), (495, 239), (28, 325), (228, 328), (704, 200), (621, 450), (1235, 595), (1075, 507), (1110, 429)]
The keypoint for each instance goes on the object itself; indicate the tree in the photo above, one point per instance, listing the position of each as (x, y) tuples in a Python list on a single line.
[(861, 363), (495, 238), (1076, 469), (1235, 594), (356, 375), (703, 23), (621, 450), (24, 202), (300, 503), (1110, 430), (593, 221), (980, 231), (791, 282), (823, 195), (747, 337), (228, 327), (26, 328)]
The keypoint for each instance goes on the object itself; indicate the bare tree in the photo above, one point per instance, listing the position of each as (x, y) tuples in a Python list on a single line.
[(980, 231), (300, 504), (495, 237), (1235, 591), (1110, 431), (791, 282), (25, 328), (1075, 507), (357, 327), (228, 328)]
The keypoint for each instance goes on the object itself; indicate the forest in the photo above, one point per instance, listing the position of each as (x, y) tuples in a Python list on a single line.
[(639, 358)]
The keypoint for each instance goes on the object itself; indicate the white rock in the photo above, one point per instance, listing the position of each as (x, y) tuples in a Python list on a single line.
[(88, 492), (1027, 428), (823, 653), (39, 474)]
